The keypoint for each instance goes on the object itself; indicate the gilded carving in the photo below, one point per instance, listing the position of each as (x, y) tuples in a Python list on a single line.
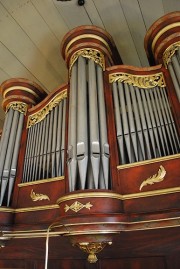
[(169, 52), (92, 249), (42, 113), (89, 53), (19, 106), (143, 81), (155, 178), (38, 196), (77, 206)]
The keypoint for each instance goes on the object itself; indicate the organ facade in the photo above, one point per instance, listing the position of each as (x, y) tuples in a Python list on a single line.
[(94, 165)]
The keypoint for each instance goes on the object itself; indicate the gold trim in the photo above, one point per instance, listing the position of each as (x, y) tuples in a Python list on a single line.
[(86, 36), (93, 232), (43, 232), (7, 210), (88, 53), (161, 159), (41, 181), (169, 52), (155, 178), (123, 222), (118, 196), (151, 193), (168, 27), (29, 234), (42, 113), (35, 208), (38, 196), (77, 206), (20, 88), (141, 81), (18, 106)]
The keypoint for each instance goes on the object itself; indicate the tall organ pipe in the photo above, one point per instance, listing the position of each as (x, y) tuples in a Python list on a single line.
[(87, 131), (174, 69), (150, 118), (104, 146), (15, 157), (5, 138), (72, 161), (82, 138), (63, 137), (10, 148), (9, 154), (93, 122)]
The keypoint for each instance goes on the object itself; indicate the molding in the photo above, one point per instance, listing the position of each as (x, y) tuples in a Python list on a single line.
[(41, 181), (35, 208), (140, 81), (123, 226), (43, 112), (6, 209), (162, 31), (161, 159), (20, 88), (118, 196), (93, 36)]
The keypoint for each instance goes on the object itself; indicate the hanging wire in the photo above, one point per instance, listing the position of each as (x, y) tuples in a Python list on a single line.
[(53, 225)]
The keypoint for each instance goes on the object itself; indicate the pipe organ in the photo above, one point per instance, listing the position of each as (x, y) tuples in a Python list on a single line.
[(99, 156), (144, 122)]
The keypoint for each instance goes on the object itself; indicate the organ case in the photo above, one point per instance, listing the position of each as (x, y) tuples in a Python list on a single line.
[(99, 155)]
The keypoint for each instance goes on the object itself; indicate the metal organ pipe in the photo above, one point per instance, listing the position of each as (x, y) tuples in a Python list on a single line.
[(72, 161), (87, 119), (9, 153), (93, 122), (45, 142), (104, 145), (174, 69), (82, 138), (145, 116)]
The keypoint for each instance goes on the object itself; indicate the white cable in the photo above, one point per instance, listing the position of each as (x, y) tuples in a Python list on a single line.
[(53, 225)]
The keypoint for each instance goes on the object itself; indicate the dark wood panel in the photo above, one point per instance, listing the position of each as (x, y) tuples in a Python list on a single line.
[(134, 263)]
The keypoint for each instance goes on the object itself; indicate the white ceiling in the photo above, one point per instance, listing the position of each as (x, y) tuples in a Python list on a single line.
[(31, 32)]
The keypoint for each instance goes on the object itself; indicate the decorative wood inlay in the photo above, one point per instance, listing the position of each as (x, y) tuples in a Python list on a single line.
[(155, 178), (38, 196), (143, 81), (169, 52), (19, 106), (77, 206), (42, 113)]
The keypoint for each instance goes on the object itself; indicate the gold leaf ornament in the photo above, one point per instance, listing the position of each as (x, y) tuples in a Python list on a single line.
[(38, 196), (143, 81), (155, 178), (77, 206)]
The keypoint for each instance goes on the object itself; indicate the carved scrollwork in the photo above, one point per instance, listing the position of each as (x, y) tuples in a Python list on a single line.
[(155, 178), (38, 196), (169, 52), (19, 106), (143, 81), (42, 113), (77, 206), (89, 53)]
